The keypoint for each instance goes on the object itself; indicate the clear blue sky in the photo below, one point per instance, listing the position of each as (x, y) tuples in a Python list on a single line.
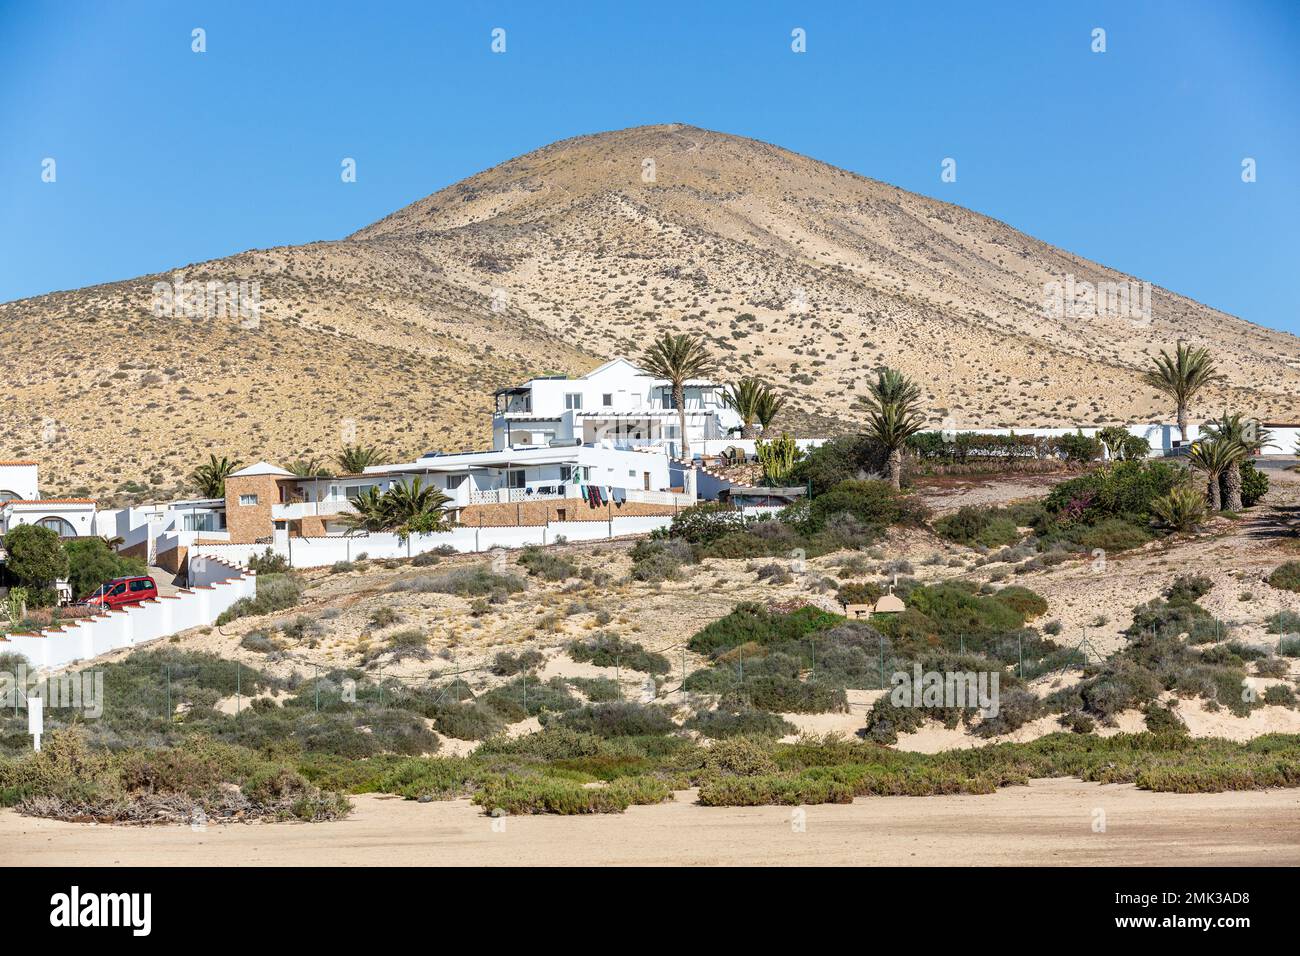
[(1131, 157)]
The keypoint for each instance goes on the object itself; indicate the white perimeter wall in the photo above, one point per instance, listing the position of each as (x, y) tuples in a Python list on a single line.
[(127, 627), (322, 552)]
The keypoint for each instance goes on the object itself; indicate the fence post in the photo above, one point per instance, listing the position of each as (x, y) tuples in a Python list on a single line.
[(170, 712), (1020, 650), (318, 688), (238, 689)]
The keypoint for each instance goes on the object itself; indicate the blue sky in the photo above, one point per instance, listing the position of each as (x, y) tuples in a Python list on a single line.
[(1131, 157)]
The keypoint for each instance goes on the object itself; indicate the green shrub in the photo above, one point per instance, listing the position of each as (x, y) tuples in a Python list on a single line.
[(479, 580), (1254, 484), (750, 623), (1110, 534), (1123, 489), (702, 523), (598, 690), (268, 562), (1182, 509), (740, 722), (1023, 601), (1286, 577), (275, 592), (971, 525), (545, 564), (618, 719), (873, 504), (609, 650), (506, 664), (91, 563)]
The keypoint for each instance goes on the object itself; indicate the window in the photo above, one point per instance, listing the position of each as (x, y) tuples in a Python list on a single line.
[(60, 527), (248, 499), (607, 400), (566, 472), (142, 585), (120, 589), (455, 481), (515, 479), (573, 401), (631, 472)]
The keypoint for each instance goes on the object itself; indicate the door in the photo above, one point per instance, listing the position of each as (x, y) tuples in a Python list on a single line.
[(645, 480)]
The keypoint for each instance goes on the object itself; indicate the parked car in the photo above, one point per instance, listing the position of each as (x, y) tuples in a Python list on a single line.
[(123, 592)]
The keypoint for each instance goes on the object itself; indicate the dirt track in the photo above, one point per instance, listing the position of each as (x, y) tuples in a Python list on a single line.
[(1049, 822)]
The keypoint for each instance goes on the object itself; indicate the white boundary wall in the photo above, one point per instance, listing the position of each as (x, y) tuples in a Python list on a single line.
[(89, 637), (325, 551)]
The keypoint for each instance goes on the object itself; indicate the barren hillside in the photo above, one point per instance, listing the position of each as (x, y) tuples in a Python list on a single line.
[(552, 262)]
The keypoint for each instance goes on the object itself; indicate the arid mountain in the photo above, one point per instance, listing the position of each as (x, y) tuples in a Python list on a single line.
[(802, 273)]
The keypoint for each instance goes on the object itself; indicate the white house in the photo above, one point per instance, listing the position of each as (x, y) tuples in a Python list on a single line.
[(21, 503), (617, 405)]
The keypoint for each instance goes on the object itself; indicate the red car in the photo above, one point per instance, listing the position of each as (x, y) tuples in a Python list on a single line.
[(123, 592)]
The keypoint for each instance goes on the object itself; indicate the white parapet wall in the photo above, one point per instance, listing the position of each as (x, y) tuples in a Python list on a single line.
[(324, 551), (89, 637)]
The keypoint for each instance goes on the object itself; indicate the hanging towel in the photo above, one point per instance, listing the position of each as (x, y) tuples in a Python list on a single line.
[(619, 495)]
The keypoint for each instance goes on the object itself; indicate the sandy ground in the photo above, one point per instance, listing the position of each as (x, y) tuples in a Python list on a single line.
[(1048, 822)]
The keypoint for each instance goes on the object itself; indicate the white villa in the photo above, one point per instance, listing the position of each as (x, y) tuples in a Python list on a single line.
[(616, 405), (21, 503)]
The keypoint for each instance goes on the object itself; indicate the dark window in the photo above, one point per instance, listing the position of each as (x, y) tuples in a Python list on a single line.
[(607, 399), (119, 589), (141, 585)]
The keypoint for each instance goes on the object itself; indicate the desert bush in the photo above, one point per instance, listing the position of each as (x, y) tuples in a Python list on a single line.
[(545, 564), (506, 664), (617, 719), (609, 650), (275, 592), (268, 562), (598, 690), (258, 642), (740, 722), (970, 525), (1286, 577), (477, 581), (1254, 484), (703, 523)]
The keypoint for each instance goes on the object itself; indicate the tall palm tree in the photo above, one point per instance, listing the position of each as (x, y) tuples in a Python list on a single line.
[(413, 503), (369, 512), (354, 459), (769, 406), (743, 397), (1214, 457), (210, 478), (678, 358), (893, 407), (1181, 376), (1251, 436), (308, 468)]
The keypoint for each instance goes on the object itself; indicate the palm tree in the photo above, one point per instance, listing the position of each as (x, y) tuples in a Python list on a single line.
[(1251, 436), (1181, 376), (354, 459), (744, 397), (211, 478), (894, 415), (308, 468), (1214, 457), (678, 358), (369, 512), (769, 406)]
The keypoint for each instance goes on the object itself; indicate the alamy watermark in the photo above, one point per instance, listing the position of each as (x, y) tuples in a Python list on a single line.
[(946, 689), (1072, 299), (209, 300), (82, 691)]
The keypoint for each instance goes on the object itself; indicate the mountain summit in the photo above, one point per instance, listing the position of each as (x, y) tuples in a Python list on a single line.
[(796, 271)]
